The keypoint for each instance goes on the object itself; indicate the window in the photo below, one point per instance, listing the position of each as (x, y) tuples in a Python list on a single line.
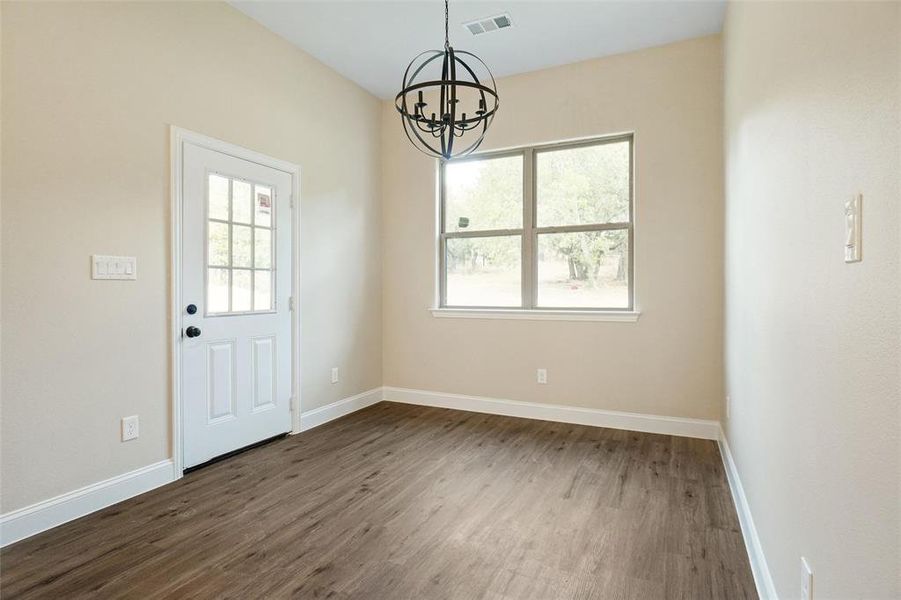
[(544, 227), (239, 259)]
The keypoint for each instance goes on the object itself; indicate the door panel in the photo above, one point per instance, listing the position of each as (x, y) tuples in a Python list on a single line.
[(236, 267), (220, 380), (263, 372)]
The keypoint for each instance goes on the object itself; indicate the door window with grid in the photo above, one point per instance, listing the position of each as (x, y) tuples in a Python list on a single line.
[(240, 264), (544, 227)]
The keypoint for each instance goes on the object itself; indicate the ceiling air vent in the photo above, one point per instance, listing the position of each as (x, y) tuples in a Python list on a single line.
[(480, 26)]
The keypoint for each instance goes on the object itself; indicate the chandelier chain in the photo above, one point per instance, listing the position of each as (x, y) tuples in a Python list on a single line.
[(446, 35)]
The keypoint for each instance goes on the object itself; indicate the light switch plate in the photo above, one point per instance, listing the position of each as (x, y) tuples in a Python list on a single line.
[(114, 267), (806, 580), (853, 229)]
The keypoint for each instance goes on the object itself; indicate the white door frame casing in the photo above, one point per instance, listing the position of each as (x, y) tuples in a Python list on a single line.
[(178, 138)]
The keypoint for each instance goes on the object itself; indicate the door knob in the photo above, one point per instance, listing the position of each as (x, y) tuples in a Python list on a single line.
[(192, 331)]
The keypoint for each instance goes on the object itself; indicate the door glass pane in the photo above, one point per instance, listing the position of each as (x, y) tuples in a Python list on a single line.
[(262, 256), (240, 290), (585, 185), (218, 244), (262, 290), (241, 246), (240, 255), (217, 291), (263, 206), (484, 271), (483, 194), (587, 269), (240, 201), (218, 208)]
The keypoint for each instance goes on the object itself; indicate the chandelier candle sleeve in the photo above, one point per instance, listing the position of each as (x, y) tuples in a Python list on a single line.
[(465, 93)]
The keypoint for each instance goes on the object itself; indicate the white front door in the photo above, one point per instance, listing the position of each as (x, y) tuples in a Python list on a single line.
[(236, 284)]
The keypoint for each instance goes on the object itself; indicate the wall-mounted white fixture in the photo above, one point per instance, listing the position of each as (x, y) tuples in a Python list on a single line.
[(129, 428), (806, 580), (853, 229), (114, 267), (334, 374), (542, 375)]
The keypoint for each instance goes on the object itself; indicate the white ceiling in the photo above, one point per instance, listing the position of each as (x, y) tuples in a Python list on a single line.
[(372, 41)]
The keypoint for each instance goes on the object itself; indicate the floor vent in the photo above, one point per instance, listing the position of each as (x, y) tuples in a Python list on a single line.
[(480, 26)]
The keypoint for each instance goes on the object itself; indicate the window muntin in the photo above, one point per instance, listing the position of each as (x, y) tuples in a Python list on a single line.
[(240, 258), (575, 248)]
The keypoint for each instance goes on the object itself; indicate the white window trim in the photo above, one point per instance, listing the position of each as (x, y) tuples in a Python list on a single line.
[(537, 314)]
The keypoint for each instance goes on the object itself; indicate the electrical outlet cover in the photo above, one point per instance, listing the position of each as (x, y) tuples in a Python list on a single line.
[(130, 429)]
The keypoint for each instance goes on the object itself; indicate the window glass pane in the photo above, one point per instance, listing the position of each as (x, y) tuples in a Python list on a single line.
[(483, 194), (240, 290), (241, 246), (484, 271), (262, 290), (588, 269), (240, 201), (263, 206), (262, 256), (217, 291), (578, 186), (218, 197), (218, 244)]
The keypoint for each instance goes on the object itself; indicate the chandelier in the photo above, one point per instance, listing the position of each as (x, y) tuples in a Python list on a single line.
[(464, 107)]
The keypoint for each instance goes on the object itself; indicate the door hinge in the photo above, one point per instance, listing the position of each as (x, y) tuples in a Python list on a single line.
[(290, 302)]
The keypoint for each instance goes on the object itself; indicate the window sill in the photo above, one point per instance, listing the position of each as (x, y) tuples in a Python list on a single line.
[(617, 316)]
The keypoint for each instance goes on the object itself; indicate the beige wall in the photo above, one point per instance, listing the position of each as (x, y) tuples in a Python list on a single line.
[(89, 91), (813, 345), (670, 361)]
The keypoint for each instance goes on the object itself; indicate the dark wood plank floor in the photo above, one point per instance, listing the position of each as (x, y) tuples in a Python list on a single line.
[(403, 502)]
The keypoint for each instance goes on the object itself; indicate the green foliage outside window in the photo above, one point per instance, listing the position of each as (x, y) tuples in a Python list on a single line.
[(576, 186)]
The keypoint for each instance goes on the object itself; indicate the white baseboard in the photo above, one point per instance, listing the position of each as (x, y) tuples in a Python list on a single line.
[(28, 521), (696, 428), (329, 412), (41, 516), (762, 578)]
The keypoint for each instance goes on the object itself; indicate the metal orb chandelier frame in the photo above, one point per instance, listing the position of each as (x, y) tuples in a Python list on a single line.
[(435, 135)]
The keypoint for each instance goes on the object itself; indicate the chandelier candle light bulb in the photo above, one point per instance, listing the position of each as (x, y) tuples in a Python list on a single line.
[(454, 134)]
